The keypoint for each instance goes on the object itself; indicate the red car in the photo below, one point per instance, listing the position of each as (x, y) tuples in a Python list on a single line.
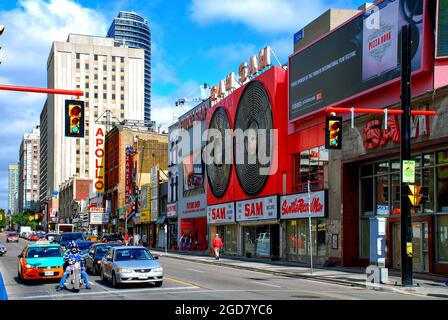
[(34, 237), (12, 237)]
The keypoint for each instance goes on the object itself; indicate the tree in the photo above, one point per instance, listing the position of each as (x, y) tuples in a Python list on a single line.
[(2, 219)]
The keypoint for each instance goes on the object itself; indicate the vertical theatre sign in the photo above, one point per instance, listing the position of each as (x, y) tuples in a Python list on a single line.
[(128, 177), (99, 160)]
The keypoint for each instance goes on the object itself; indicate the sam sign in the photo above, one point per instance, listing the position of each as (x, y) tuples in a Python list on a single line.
[(257, 209), (99, 160), (295, 206), (221, 213)]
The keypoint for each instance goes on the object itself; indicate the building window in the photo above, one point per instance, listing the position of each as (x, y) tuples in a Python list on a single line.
[(87, 66), (104, 67), (442, 238), (104, 96), (122, 97), (113, 96), (309, 165), (78, 55), (78, 65)]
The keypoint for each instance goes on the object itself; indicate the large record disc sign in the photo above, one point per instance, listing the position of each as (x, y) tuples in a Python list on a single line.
[(218, 174), (254, 112)]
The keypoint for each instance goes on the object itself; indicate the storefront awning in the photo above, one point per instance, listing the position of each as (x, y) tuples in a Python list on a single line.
[(161, 220)]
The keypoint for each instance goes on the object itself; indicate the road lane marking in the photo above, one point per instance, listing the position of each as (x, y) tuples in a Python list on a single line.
[(195, 270), (182, 282), (267, 284), (108, 292)]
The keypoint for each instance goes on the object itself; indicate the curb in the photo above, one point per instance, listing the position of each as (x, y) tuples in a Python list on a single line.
[(295, 275)]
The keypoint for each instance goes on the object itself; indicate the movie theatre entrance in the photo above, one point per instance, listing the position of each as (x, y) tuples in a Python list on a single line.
[(261, 241)]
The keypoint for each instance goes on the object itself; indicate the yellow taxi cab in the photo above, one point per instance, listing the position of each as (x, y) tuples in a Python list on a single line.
[(40, 260)]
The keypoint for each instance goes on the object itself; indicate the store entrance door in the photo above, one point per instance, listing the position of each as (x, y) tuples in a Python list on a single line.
[(420, 250)]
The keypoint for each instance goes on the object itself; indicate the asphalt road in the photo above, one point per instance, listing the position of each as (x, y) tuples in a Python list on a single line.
[(186, 280)]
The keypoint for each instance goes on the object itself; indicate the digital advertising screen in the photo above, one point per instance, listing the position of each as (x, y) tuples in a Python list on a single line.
[(360, 55)]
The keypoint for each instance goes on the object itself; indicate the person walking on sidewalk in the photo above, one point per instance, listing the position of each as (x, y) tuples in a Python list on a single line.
[(217, 245)]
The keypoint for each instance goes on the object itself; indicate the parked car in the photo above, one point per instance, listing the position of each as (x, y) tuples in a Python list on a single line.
[(22, 234), (96, 254), (111, 237), (131, 264), (40, 260), (2, 250), (12, 237)]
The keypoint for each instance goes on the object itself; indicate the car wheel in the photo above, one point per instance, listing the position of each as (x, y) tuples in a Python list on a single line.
[(114, 281), (158, 283), (22, 279)]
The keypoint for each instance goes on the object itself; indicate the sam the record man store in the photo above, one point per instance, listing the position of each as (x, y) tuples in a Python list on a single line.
[(221, 220), (371, 186)]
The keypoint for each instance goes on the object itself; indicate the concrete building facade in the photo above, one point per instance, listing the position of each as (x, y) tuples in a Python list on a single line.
[(29, 161), (13, 188), (112, 79)]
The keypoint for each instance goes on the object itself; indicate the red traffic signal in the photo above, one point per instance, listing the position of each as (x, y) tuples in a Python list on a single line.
[(333, 132), (74, 118)]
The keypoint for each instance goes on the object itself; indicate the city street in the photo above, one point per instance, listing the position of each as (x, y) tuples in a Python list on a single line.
[(185, 280)]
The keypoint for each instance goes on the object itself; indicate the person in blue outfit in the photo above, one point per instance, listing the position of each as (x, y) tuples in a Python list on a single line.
[(73, 254)]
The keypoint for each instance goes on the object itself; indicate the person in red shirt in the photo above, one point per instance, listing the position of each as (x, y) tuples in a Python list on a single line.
[(217, 245)]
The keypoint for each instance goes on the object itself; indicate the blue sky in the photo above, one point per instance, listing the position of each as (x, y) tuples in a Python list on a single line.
[(193, 41)]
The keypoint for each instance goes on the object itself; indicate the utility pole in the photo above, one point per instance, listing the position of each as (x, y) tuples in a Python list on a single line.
[(406, 226), (310, 225)]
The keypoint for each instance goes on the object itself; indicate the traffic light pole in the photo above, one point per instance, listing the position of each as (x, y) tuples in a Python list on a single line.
[(405, 154)]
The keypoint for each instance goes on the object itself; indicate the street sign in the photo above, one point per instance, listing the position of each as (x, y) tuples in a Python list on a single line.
[(415, 195), (408, 171)]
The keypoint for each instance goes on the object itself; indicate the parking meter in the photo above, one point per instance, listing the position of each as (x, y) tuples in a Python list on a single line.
[(378, 246)]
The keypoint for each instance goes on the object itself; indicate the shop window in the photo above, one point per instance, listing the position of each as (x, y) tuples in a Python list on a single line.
[(291, 231), (428, 159), (442, 157), (366, 170), (367, 196), (382, 167), (442, 238), (442, 188), (230, 239), (428, 190), (382, 190), (364, 237), (309, 165)]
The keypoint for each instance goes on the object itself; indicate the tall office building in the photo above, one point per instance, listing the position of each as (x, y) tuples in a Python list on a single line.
[(112, 78), (13, 188), (132, 30), (29, 161)]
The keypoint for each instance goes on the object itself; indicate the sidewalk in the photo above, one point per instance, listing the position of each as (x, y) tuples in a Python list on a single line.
[(355, 277)]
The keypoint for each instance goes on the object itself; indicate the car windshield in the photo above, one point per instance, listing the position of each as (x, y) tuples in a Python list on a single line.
[(12, 234), (102, 250), (44, 252), (133, 254), (72, 236), (112, 237)]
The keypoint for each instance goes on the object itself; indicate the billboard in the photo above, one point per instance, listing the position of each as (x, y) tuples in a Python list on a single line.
[(193, 173), (144, 204), (442, 29), (154, 193), (296, 206), (358, 56)]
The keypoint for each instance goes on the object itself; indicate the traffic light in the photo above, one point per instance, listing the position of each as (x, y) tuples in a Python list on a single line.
[(74, 118), (333, 132)]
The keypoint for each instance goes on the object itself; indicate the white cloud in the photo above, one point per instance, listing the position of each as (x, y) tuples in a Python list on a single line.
[(31, 28), (163, 109), (267, 16)]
